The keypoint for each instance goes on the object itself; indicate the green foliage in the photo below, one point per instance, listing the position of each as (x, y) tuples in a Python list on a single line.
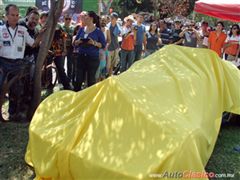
[(126, 7), (162, 7), (211, 20)]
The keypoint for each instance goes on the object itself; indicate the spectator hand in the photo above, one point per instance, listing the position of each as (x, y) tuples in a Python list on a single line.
[(77, 42), (91, 42), (43, 30)]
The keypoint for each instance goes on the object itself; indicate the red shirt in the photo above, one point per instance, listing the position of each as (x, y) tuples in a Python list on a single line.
[(128, 40), (217, 42), (128, 43)]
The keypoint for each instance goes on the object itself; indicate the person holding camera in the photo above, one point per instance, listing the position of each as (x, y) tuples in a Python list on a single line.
[(127, 46), (204, 34), (175, 39), (89, 40), (190, 35)]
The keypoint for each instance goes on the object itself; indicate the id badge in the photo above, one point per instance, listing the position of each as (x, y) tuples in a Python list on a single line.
[(20, 49), (6, 43)]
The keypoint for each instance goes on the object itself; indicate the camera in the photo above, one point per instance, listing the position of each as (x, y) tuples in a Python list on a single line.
[(136, 28), (85, 40)]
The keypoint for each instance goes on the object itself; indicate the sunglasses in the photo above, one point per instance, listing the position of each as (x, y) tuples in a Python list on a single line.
[(235, 28), (67, 19)]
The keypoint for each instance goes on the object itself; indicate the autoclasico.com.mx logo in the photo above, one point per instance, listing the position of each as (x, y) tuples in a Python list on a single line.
[(191, 175)]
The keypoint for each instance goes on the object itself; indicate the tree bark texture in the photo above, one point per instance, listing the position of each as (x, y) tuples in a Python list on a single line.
[(54, 14)]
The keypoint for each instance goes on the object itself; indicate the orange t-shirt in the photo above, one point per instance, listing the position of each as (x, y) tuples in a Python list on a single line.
[(217, 42), (233, 48), (128, 43)]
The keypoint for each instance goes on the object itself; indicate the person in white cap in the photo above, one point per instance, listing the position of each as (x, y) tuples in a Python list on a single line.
[(127, 46)]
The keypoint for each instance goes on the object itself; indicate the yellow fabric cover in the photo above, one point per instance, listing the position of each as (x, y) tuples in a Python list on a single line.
[(162, 115)]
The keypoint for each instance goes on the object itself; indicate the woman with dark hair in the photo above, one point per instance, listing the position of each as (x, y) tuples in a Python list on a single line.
[(89, 40), (232, 43), (153, 39), (217, 38)]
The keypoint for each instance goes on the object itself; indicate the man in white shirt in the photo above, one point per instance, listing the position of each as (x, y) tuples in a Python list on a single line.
[(13, 37), (13, 40)]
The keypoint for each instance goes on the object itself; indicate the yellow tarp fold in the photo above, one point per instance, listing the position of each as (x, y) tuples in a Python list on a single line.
[(162, 115)]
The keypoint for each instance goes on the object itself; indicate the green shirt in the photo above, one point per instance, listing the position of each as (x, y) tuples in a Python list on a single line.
[(69, 32)]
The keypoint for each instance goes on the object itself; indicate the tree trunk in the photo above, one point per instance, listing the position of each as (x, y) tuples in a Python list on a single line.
[(54, 14)]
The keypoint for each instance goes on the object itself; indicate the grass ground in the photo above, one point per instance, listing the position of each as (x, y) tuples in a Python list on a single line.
[(224, 158), (13, 141), (14, 137)]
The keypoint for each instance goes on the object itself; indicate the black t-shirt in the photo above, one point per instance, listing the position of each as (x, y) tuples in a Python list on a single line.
[(175, 35)]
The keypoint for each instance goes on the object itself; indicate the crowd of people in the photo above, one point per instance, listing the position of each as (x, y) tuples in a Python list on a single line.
[(97, 47)]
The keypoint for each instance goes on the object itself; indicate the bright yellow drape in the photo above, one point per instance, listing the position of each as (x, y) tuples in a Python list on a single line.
[(162, 115)]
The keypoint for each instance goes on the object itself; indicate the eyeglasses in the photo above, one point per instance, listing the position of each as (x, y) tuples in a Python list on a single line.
[(235, 28), (67, 19)]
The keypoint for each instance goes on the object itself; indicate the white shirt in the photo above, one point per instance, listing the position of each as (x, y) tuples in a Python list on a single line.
[(13, 41), (232, 39)]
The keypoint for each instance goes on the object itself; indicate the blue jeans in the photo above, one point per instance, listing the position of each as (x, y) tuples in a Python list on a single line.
[(127, 58), (138, 52), (7, 65)]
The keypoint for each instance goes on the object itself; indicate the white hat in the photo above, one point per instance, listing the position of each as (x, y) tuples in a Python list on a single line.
[(130, 17)]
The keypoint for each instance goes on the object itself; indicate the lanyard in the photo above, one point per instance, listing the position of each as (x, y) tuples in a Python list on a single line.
[(15, 33)]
